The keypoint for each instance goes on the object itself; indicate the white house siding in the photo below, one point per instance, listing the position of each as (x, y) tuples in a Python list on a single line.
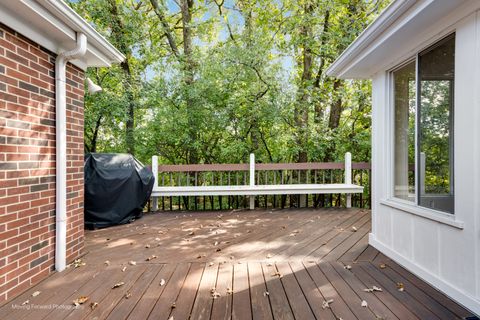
[(446, 256)]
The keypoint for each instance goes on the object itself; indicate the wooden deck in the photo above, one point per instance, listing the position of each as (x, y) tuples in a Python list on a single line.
[(263, 264)]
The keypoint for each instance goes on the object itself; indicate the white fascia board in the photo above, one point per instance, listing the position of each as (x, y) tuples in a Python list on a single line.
[(53, 25), (67, 15), (369, 35)]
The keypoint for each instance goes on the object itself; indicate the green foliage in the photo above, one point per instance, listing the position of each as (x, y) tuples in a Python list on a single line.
[(243, 87)]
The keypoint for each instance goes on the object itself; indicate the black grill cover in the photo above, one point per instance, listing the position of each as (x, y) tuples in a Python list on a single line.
[(117, 187)]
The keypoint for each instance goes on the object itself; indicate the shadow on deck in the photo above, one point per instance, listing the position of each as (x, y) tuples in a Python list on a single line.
[(262, 264)]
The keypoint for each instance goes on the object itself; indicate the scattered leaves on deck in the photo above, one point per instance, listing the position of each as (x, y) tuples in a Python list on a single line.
[(364, 304), (78, 263), (36, 293), (162, 282), (118, 284), (80, 300), (400, 286), (326, 303)]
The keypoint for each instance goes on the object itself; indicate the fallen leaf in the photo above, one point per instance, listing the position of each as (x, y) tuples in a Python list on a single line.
[(215, 295), (218, 250), (25, 302), (80, 301), (211, 264), (266, 293), (147, 246), (277, 274), (36, 293), (200, 256), (191, 233), (132, 263), (400, 286), (364, 304), (375, 288), (326, 303), (171, 318), (215, 244), (174, 305), (383, 266), (119, 284), (157, 239), (348, 267), (123, 269), (93, 305), (78, 263), (107, 263), (128, 295), (354, 229), (269, 256), (162, 282), (151, 258)]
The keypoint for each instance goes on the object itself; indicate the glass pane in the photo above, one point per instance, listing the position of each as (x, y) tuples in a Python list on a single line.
[(405, 98), (435, 137)]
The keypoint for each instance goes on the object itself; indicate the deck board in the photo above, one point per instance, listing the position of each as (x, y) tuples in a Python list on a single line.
[(264, 264)]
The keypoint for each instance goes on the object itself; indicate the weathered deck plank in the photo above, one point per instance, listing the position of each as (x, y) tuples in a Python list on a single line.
[(264, 264)]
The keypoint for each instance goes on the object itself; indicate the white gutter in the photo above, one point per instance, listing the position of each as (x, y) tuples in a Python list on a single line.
[(61, 148)]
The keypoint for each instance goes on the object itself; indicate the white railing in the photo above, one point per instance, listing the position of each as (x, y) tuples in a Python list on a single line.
[(253, 189)]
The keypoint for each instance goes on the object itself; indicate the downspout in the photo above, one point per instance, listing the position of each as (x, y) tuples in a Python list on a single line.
[(61, 149)]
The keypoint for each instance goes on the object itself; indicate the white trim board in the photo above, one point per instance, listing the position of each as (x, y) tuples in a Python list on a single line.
[(448, 289)]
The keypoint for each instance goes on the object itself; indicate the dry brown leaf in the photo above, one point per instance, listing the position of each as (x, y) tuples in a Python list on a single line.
[(118, 284), (400, 286), (215, 244), (354, 229), (78, 263), (147, 246), (266, 293), (191, 233), (162, 282), (348, 267), (174, 305), (25, 302), (326, 303), (124, 268), (80, 300), (93, 305), (128, 295), (364, 304), (107, 263), (151, 257), (383, 266), (218, 250), (277, 274), (132, 263), (211, 264), (36, 293), (202, 255), (157, 239)]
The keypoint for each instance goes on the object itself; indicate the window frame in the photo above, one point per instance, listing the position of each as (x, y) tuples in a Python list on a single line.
[(402, 204)]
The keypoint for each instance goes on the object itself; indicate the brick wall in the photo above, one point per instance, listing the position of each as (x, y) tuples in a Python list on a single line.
[(27, 163)]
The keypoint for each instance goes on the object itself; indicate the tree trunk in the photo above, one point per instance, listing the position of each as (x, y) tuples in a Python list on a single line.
[(118, 31), (303, 96), (337, 106)]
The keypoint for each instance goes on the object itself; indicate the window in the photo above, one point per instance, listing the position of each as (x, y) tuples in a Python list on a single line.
[(423, 128)]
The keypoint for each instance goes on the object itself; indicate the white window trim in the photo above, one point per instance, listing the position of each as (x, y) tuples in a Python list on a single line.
[(434, 215), (392, 201)]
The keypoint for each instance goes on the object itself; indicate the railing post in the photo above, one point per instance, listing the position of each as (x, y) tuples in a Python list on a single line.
[(348, 176), (155, 184), (252, 179)]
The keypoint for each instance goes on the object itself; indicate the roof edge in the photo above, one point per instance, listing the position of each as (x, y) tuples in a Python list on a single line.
[(388, 16)]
